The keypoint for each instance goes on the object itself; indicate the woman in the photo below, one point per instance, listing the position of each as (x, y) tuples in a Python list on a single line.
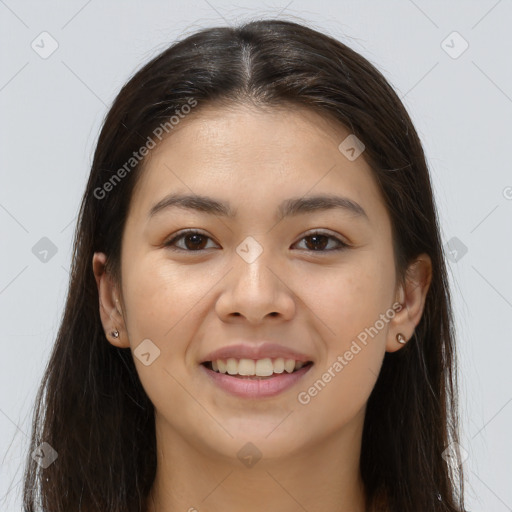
[(258, 315)]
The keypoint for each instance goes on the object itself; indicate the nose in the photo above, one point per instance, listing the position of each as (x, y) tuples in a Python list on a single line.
[(254, 291)]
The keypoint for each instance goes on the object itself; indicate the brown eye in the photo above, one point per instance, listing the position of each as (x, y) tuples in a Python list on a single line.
[(319, 241), (192, 241), (195, 241)]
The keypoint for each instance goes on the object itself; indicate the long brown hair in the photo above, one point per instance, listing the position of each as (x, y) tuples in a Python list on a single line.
[(91, 407)]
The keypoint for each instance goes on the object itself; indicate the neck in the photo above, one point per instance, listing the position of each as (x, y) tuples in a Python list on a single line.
[(323, 477)]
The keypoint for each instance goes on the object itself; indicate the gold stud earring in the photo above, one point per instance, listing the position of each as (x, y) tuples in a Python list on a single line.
[(400, 338)]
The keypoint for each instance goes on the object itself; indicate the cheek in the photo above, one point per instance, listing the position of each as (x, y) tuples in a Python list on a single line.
[(353, 306), (160, 294), (348, 299), (162, 304), (343, 381), (166, 303)]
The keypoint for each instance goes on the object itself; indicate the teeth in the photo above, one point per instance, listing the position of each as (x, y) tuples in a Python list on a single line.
[(289, 365), (232, 366), (263, 367), (279, 365), (221, 365), (246, 367), (260, 368)]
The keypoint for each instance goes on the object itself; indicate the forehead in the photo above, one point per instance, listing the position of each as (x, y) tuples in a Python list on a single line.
[(257, 155), (239, 131)]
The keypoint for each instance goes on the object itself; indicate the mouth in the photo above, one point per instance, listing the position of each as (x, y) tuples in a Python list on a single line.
[(248, 378), (255, 369)]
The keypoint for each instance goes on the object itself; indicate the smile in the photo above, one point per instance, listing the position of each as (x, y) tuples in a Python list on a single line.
[(249, 378)]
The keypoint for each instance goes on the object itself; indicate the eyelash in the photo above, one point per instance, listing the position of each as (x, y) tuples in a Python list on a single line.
[(170, 244)]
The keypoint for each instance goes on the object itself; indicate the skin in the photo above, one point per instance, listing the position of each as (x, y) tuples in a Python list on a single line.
[(190, 303)]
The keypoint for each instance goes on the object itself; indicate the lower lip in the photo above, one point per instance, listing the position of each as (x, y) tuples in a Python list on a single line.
[(255, 388)]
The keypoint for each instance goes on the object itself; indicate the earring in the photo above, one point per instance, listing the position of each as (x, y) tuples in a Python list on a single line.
[(114, 334), (400, 338)]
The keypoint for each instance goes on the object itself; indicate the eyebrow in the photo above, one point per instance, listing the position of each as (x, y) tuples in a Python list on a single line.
[(289, 207)]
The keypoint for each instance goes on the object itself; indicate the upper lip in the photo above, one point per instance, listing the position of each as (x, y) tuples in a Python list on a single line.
[(256, 351)]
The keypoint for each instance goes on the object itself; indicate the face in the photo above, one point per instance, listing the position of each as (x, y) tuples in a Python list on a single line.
[(266, 272)]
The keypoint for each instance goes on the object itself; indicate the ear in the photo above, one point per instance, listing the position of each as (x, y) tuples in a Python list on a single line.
[(111, 312), (411, 296)]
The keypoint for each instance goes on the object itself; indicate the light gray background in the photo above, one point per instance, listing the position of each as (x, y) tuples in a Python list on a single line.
[(462, 107)]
